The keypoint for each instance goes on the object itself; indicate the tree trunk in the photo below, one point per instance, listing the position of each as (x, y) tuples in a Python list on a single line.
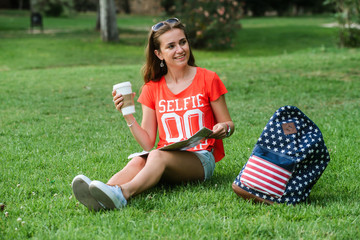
[(20, 4), (97, 26), (109, 29), (34, 6)]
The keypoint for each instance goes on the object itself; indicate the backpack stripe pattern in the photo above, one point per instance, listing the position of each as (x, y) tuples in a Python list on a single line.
[(265, 177), (287, 160)]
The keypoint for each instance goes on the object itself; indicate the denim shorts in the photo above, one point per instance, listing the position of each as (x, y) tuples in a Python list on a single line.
[(208, 161)]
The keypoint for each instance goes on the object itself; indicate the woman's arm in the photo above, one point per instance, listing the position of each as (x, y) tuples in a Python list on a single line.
[(223, 118), (145, 134)]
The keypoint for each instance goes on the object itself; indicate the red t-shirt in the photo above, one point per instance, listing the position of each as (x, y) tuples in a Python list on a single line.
[(179, 116)]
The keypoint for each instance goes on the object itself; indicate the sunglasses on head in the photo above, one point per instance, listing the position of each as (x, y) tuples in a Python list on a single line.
[(157, 26)]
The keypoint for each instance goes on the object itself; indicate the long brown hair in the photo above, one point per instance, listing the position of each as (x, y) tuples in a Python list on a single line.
[(151, 70)]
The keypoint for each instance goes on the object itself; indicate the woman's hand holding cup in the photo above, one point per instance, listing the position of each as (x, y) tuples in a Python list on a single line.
[(124, 98), (118, 100)]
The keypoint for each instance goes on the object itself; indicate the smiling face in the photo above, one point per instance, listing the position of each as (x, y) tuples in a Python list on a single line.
[(174, 48)]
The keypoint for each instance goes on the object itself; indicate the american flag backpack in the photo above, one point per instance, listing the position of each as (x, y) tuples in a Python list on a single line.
[(287, 160)]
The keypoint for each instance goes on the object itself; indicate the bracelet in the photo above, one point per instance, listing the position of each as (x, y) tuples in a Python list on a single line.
[(130, 125), (228, 131)]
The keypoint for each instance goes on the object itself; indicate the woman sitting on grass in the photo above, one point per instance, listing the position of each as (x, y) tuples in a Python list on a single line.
[(178, 98)]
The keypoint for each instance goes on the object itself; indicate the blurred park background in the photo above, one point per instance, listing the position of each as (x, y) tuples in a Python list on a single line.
[(60, 58), (213, 22)]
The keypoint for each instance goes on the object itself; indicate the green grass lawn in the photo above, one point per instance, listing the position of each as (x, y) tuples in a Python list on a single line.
[(57, 120)]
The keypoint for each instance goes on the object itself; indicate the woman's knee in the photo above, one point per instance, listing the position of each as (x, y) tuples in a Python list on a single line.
[(136, 162), (157, 156), (155, 153)]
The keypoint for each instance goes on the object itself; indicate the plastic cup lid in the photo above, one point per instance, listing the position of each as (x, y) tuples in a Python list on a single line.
[(120, 85)]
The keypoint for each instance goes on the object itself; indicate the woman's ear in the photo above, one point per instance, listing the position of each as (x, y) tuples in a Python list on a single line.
[(158, 54)]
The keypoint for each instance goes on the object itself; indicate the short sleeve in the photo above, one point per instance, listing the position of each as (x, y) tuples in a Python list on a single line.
[(217, 88), (147, 96)]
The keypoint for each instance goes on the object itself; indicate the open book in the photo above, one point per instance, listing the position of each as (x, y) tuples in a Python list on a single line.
[(191, 142)]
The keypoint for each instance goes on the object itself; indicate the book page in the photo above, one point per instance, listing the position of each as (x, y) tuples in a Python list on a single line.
[(182, 145), (190, 142)]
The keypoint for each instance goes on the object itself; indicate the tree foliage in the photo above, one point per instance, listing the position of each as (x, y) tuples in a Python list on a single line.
[(210, 23), (54, 8), (348, 17), (284, 7)]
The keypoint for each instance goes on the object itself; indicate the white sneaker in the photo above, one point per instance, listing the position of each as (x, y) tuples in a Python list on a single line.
[(80, 187), (109, 196)]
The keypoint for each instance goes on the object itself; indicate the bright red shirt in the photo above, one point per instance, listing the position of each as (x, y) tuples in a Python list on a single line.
[(179, 116)]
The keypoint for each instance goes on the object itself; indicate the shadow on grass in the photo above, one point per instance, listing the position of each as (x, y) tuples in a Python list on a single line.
[(129, 36), (277, 40), (325, 199)]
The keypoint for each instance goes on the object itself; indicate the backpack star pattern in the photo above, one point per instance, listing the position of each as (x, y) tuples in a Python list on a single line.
[(292, 142)]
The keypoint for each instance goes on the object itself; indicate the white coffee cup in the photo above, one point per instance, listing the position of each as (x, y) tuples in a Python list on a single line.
[(125, 90)]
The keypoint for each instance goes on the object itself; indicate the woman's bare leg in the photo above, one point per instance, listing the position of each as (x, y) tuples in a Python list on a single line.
[(132, 168), (172, 166)]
